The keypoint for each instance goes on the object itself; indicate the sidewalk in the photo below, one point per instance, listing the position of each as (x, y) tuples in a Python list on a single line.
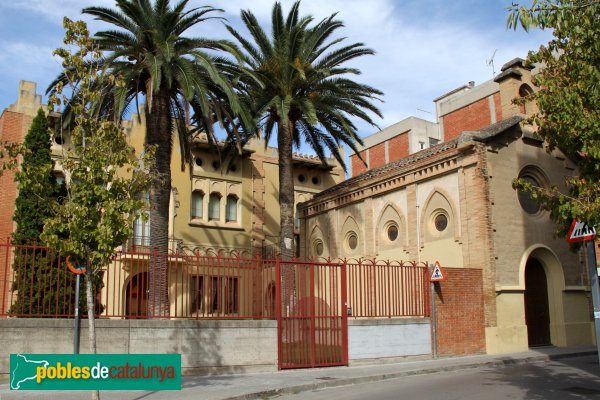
[(264, 385)]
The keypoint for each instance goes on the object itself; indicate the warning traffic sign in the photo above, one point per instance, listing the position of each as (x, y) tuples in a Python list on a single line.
[(580, 232), (437, 274)]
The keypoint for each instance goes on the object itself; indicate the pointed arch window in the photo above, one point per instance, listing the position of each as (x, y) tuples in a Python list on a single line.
[(141, 226), (231, 208), (214, 207), (197, 204)]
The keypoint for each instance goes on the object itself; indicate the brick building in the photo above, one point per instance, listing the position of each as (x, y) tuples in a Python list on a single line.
[(510, 282), (431, 191)]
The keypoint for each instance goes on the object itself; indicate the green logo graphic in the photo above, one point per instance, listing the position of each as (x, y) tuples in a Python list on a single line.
[(95, 371)]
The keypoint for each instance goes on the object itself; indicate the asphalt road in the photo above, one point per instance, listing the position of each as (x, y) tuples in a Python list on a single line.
[(566, 379)]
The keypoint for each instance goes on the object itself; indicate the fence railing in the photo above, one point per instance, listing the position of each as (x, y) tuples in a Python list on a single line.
[(35, 282), (387, 288)]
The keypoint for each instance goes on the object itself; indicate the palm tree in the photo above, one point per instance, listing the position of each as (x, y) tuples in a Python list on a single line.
[(302, 89), (147, 49)]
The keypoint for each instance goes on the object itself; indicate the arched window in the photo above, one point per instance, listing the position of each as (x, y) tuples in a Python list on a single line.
[(197, 203), (439, 218), (141, 231), (525, 91), (141, 227), (214, 207), (231, 208), (537, 179)]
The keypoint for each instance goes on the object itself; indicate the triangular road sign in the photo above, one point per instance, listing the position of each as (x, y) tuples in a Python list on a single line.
[(580, 231), (437, 274)]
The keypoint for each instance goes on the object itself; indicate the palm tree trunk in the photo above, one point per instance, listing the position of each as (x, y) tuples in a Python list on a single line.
[(286, 222), (286, 191), (158, 133), (89, 295)]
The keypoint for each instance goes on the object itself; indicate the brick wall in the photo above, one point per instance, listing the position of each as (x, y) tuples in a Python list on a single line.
[(459, 312), (498, 106), (377, 156), (398, 148), (358, 167), (472, 117), (12, 126)]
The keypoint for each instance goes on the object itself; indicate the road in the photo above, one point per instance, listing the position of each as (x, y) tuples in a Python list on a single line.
[(566, 379)]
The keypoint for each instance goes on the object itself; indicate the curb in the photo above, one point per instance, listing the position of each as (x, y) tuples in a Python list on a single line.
[(411, 372)]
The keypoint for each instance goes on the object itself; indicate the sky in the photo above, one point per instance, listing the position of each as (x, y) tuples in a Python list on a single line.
[(424, 48)]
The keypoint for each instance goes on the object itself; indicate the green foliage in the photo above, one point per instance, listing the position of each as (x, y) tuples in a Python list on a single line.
[(39, 282), (295, 82), (146, 47), (568, 99), (299, 76), (36, 183), (105, 174)]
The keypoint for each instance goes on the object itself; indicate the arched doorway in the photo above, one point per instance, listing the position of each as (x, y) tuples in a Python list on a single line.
[(136, 296), (537, 310)]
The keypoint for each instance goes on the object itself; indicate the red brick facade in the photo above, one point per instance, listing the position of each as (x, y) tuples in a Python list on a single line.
[(459, 312), (470, 118), (358, 167), (498, 106), (398, 148), (377, 156), (12, 129)]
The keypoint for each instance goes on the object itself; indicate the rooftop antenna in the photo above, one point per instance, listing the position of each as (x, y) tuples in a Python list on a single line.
[(490, 63)]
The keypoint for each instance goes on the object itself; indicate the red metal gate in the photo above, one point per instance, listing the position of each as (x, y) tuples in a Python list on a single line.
[(312, 321)]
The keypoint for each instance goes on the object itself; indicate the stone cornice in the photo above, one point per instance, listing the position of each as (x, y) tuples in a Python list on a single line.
[(444, 162)]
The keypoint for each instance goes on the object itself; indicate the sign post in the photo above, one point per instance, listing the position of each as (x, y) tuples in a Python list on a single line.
[(77, 272), (436, 276), (581, 232)]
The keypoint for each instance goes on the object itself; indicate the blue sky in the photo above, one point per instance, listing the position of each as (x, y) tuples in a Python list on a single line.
[(424, 47)]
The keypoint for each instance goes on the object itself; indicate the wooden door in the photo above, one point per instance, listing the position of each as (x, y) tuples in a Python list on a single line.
[(537, 312)]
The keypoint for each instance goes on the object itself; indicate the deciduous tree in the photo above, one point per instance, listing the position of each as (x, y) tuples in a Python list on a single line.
[(568, 98), (105, 175)]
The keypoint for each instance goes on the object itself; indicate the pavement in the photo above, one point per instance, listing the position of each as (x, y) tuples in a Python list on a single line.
[(265, 385)]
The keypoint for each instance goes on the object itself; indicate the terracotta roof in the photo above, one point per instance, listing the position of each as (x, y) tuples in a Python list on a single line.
[(385, 169)]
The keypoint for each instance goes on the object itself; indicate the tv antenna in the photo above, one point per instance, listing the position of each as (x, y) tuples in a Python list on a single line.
[(490, 63)]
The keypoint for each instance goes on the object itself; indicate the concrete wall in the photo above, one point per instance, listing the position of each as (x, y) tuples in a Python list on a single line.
[(206, 346), (377, 339)]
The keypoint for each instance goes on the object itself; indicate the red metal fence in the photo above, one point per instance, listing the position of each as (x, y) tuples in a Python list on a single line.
[(312, 316), (35, 282), (387, 288)]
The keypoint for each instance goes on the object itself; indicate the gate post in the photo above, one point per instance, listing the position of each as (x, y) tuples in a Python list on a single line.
[(278, 308), (4, 306), (313, 322), (344, 315)]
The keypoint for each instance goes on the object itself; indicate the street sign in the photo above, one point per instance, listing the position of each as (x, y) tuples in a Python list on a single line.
[(437, 274), (580, 232)]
